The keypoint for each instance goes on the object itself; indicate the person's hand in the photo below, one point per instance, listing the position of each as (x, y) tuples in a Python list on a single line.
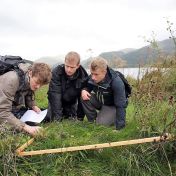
[(85, 95), (36, 109), (32, 130)]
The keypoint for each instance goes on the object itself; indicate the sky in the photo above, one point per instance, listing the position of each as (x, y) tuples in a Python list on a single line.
[(38, 28)]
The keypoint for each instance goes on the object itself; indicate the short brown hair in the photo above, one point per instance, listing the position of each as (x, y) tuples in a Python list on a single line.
[(72, 55), (42, 71), (98, 63)]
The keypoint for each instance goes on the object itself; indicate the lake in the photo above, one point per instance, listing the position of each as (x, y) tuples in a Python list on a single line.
[(133, 72)]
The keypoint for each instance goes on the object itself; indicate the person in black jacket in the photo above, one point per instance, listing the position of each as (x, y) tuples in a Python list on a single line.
[(104, 92), (65, 89)]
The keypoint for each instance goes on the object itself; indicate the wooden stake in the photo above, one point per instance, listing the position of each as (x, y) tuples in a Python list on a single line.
[(95, 146), (20, 149)]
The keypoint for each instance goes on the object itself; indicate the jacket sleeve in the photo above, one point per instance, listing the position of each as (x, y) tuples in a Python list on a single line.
[(54, 95), (87, 86), (9, 84), (120, 101)]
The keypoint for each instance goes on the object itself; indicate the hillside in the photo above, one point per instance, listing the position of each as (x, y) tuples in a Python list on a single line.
[(51, 60), (147, 54), (114, 54), (134, 57), (113, 58), (128, 57)]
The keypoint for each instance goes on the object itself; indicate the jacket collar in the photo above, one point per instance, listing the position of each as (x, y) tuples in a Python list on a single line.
[(80, 72), (105, 83)]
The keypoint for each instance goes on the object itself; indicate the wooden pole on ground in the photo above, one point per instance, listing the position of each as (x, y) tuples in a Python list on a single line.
[(95, 146), (20, 149)]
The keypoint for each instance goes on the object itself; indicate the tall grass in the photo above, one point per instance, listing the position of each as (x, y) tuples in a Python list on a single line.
[(151, 112), (146, 159)]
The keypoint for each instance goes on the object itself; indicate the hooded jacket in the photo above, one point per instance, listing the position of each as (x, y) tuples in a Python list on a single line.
[(13, 96), (63, 89)]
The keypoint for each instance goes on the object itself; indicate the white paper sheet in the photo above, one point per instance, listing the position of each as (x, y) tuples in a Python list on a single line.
[(32, 116)]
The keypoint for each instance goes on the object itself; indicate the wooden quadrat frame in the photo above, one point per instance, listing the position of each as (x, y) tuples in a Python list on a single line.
[(20, 151)]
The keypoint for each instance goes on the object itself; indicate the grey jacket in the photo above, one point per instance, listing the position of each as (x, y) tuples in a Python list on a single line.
[(11, 99)]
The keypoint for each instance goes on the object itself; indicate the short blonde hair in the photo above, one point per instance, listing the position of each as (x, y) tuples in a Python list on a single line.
[(98, 63), (42, 71), (72, 56)]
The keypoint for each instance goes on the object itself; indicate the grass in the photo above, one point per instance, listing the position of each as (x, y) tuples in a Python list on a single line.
[(41, 97), (146, 116), (131, 160)]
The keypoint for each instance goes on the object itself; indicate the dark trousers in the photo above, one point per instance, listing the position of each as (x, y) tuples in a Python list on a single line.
[(96, 111), (69, 111), (73, 111)]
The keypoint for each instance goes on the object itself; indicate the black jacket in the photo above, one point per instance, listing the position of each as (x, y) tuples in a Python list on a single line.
[(65, 91), (111, 92)]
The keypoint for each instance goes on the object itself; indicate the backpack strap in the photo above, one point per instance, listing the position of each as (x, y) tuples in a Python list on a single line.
[(128, 88), (21, 76)]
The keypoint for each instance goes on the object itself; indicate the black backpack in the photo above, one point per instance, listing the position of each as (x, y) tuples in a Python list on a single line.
[(128, 88), (9, 63)]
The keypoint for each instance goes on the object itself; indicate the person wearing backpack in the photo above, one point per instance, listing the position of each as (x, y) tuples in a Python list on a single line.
[(17, 95), (105, 92)]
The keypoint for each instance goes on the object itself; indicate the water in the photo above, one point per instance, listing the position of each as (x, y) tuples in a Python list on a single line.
[(134, 72)]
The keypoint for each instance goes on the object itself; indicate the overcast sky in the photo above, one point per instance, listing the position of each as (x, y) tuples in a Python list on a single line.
[(37, 28)]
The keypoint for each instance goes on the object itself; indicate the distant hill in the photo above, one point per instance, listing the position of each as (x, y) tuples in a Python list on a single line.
[(128, 57), (127, 50), (148, 54), (51, 60), (114, 54), (133, 57)]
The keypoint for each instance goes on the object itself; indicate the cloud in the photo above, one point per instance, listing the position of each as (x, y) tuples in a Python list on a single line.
[(50, 27)]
